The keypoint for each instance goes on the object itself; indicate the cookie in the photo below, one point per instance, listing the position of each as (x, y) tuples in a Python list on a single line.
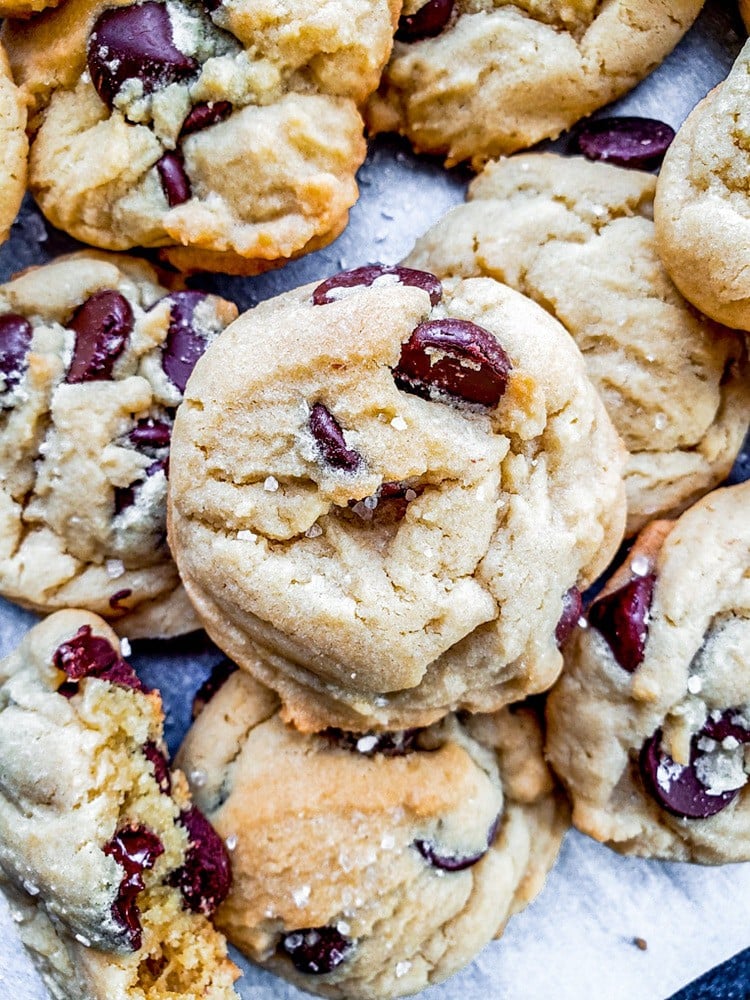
[(578, 238), (94, 357), (14, 147), (388, 487), (226, 134), (475, 79), (110, 870), (649, 725), (702, 205), (745, 12), (381, 864)]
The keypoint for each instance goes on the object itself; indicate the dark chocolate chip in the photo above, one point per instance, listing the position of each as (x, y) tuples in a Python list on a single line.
[(135, 849), (15, 340), (161, 768), (204, 115), (395, 744), (184, 344), (213, 683), (174, 181), (627, 142), (455, 357), (388, 504), (206, 876), (102, 326), (135, 42), (571, 612), (330, 440), (124, 498), (363, 277), (150, 433), (89, 655), (316, 951), (622, 618), (117, 597), (454, 862), (726, 724), (427, 22), (677, 787)]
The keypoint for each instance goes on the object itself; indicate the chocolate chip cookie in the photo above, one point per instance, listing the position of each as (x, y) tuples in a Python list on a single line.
[(389, 486), (13, 147), (226, 134), (649, 725), (578, 238), (702, 205), (382, 863), (94, 357), (474, 79), (109, 869)]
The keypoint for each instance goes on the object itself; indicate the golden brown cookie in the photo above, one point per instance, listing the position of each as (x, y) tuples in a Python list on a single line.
[(380, 864), (14, 147), (389, 487)]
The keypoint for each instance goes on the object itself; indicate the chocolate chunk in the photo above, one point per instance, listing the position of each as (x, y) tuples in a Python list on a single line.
[(330, 440), (206, 876), (364, 277), (316, 950), (454, 862), (427, 22), (184, 343), (639, 143), (89, 655), (204, 115), (455, 357), (174, 181), (135, 849), (571, 612), (161, 768), (622, 618), (150, 433), (102, 326), (15, 340)]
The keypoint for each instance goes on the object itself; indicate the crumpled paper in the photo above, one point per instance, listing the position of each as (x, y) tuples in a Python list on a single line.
[(578, 939)]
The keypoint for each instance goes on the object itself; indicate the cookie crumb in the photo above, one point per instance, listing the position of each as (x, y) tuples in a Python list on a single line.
[(640, 943)]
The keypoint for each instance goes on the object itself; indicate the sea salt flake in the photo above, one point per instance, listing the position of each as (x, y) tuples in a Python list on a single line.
[(125, 648), (402, 968), (343, 927), (695, 684), (271, 484), (314, 531), (198, 778), (666, 773), (640, 566), (660, 421), (301, 896), (83, 940), (399, 424), (388, 842), (367, 743), (114, 568), (231, 842), (247, 536)]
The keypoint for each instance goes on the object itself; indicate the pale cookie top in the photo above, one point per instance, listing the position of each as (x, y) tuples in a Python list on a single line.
[(390, 489), (473, 79), (225, 133), (703, 205), (14, 147), (94, 355), (649, 725), (113, 868), (578, 238), (372, 865)]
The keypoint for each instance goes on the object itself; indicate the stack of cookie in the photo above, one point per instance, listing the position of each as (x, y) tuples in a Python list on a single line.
[(383, 495)]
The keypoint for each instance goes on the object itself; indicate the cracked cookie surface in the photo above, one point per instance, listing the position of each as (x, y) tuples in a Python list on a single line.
[(649, 724), (474, 79), (226, 134), (388, 490), (382, 863), (702, 209), (98, 838), (14, 147), (94, 355), (578, 238)]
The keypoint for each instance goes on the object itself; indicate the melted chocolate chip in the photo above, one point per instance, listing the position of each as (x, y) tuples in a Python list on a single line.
[(330, 440), (15, 340), (124, 498), (676, 787), (184, 343), (316, 951), (206, 876), (204, 115), (161, 768), (119, 596), (150, 433), (102, 326), (174, 180), (89, 655), (454, 862), (427, 22), (363, 277), (389, 504), (216, 680), (622, 618), (135, 43), (135, 849), (396, 744), (628, 142), (571, 612), (455, 357)]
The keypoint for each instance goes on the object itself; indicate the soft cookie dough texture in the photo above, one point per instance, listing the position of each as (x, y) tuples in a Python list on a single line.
[(270, 160), (347, 849), (74, 776), (702, 208), (689, 695), (83, 489), (377, 612), (502, 75), (578, 238), (14, 147)]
